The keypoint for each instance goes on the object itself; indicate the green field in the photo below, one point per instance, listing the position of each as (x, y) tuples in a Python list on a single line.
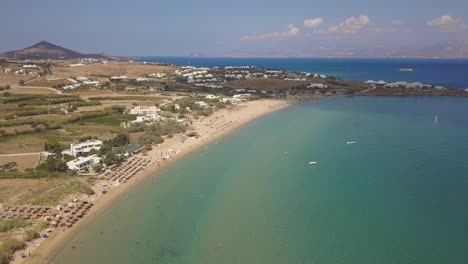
[(109, 120)]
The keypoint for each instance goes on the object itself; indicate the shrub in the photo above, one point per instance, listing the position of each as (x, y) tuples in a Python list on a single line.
[(53, 164), (98, 168), (8, 247), (11, 224), (30, 234)]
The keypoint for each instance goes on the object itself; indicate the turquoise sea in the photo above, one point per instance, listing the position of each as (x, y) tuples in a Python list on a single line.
[(398, 196)]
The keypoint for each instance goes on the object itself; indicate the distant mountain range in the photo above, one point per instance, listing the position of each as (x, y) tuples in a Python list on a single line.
[(45, 50), (445, 50)]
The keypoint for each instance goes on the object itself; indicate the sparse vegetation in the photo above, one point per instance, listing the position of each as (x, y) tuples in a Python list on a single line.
[(8, 247), (11, 224), (55, 195), (30, 234), (153, 133)]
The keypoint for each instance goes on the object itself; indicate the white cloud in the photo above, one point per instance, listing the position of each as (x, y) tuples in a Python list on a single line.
[(292, 32), (351, 25), (314, 22), (447, 23), (397, 22)]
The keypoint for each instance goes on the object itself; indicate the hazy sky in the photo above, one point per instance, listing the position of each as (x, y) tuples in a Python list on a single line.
[(177, 27)]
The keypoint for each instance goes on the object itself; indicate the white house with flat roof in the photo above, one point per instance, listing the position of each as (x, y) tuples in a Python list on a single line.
[(82, 163), (149, 118), (142, 110), (77, 149)]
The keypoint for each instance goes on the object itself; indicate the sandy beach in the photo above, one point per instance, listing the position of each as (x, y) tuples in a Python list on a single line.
[(209, 129)]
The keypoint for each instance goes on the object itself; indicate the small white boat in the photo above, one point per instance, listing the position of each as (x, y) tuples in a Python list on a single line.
[(436, 119), (351, 142), (406, 70), (312, 162)]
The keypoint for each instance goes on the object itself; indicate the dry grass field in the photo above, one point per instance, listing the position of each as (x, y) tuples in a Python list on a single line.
[(33, 90), (21, 144), (132, 70), (42, 81), (93, 93), (29, 191), (12, 79), (23, 161)]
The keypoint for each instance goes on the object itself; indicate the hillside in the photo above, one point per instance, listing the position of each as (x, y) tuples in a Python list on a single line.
[(46, 50)]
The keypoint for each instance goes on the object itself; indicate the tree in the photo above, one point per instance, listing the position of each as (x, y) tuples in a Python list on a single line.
[(118, 108), (93, 151), (53, 147), (21, 82), (53, 164), (115, 156), (98, 168), (120, 140), (105, 148)]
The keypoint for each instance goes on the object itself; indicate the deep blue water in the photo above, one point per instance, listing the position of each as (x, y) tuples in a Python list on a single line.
[(447, 72)]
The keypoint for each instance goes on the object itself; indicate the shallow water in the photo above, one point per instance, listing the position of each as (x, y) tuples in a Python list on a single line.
[(398, 196)]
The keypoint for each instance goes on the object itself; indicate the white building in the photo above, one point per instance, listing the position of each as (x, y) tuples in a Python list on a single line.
[(82, 79), (83, 163), (376, 82), (142, 110), (318, 85), (77, 149), (201, 104), (211, 96), (239, 96), (30, 66), (76, 65), (95, 83), (116, 78), (142, 79), (157, 75), (149, 118), (71, 86)]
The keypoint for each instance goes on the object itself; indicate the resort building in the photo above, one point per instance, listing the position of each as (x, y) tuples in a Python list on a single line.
[(83, 163), (77, 149), (149, 118), (142, 110)]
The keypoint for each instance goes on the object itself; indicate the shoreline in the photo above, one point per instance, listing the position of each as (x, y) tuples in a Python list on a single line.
[(210, 129)]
